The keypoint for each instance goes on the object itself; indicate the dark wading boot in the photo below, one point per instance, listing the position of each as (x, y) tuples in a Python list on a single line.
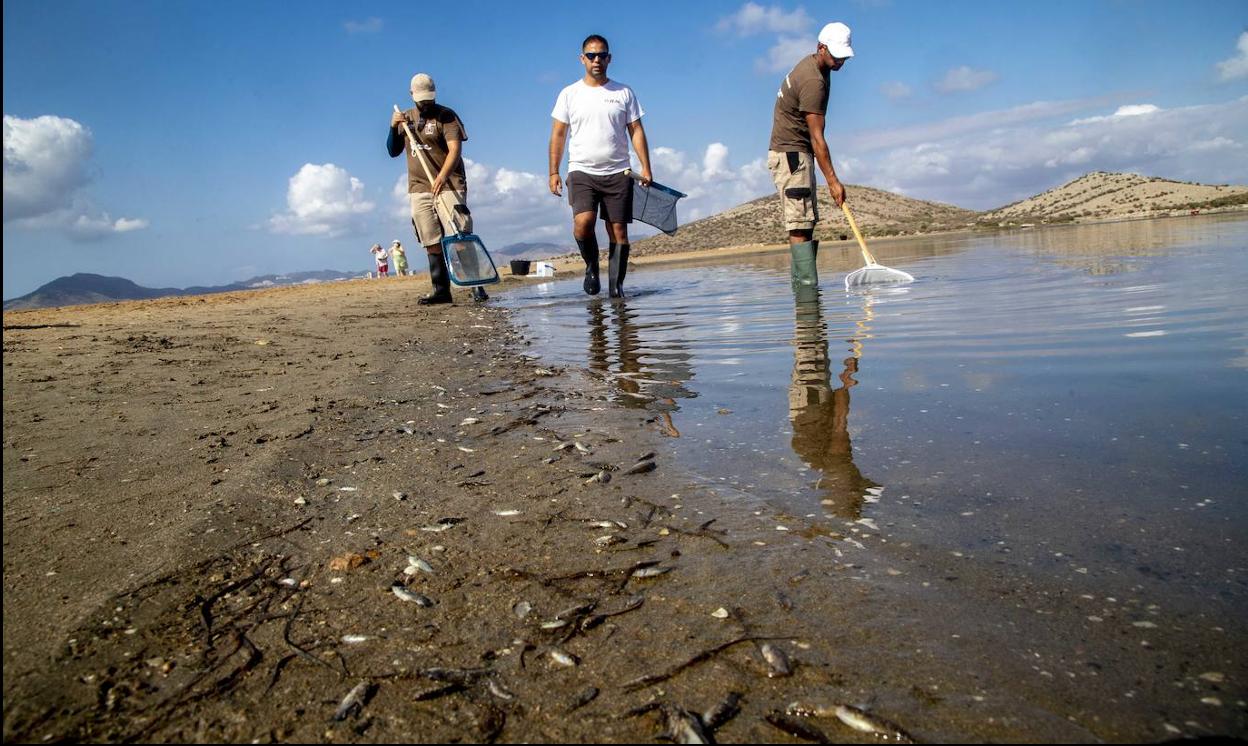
[(589, 252), (802, 264), (441, 279), (479, 294), (617, 267)]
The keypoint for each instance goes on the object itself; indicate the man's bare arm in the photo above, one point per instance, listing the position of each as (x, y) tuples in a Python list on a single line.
[(453, 150), (558, 138), (815, 123), (638, 134)]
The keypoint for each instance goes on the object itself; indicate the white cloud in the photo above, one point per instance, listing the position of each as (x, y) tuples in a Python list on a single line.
[(963, 79), (366, 26), (988, 166), (322, 200), (895, 90), (1130, 110), (47, 165), (1236, 67), (784, 54), (752, 18)]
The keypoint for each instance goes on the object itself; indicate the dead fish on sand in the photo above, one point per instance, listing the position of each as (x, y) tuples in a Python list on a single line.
[(683, 726), (562, 658), (354, 701), (867, 723), (442, 524), (417, 563), (650, 572), (580, 447), (796, 727), (417, 598), (601, 477), (722, 712), (642, 467), (776, 660), (584, 698)]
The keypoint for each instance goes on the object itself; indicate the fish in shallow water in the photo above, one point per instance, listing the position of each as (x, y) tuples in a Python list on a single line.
[(867, 723), (722, 712)]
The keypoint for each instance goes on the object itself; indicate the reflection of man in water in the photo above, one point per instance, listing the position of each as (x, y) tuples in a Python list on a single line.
[(655, 386), (820, 414)]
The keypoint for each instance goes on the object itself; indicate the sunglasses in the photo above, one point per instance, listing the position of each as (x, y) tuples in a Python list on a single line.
[(595, 56)]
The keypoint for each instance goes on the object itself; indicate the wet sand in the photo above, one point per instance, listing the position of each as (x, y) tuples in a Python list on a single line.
[(208, 502)]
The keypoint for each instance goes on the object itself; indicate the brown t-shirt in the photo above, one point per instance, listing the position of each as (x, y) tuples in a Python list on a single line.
[(803, 91), (433, 131)]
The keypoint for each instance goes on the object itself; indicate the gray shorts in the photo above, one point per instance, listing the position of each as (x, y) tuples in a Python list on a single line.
[(610, 196)]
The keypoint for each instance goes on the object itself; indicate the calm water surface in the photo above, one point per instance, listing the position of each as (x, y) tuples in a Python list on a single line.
[(1066, 401)]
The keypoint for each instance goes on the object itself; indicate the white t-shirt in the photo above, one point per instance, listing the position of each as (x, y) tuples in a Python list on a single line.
[(597, 119)]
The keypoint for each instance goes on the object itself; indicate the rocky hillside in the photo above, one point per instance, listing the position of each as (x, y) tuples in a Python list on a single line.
[(1105, 196), (877, 212)]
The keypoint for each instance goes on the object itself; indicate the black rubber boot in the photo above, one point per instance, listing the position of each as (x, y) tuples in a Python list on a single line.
[(617, 263), (589, 252), (479, 294), (441, 279)]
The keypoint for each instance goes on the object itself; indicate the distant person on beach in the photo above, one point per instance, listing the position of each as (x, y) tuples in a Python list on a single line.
[(381, 258), (440, 135), (797, 144), (601, 115), (400, 258)]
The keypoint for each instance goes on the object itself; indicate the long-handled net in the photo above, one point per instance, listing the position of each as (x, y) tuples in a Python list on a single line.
[(874, 273), (655, 204)]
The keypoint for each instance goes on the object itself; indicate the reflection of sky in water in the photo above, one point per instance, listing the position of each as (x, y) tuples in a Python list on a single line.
[(1069, 391)]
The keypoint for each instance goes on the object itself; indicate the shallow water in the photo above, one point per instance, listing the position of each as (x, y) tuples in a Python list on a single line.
[(1070, 402)]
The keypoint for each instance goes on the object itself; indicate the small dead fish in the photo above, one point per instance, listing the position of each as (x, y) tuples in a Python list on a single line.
[(506, 513), (563, 446), (522, 609), (354, 701), (419, 564), (584, 698), (405, 595), (609, 540), (577, 610), (355, 639), (722, 712), (469, 421), (580, 447), (683, 727), (555, 624), (442, 525), (606, 524), (802, 709), (650, 572), (776, 659), (796, 727), (563, 659), (601, 477), (645, 456), (498, 690), (642, 467), (864, 721)]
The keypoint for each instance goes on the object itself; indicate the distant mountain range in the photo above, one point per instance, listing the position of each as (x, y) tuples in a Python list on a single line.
[(530, 251), (88, 288)]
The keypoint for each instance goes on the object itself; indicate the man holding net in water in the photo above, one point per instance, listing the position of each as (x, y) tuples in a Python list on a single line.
[(797, 144), (602, 116), (441, 136)]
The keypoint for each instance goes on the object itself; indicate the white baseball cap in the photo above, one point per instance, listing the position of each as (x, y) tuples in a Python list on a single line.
[(424, 90), (835, 36)]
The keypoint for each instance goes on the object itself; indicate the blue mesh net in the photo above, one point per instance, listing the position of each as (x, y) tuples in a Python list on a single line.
[(656, 205)]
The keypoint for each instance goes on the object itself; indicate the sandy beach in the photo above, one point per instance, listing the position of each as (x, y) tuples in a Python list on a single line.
[(328, 514)]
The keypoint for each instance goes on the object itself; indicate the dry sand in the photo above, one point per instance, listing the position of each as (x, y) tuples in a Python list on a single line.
[(208, 502)]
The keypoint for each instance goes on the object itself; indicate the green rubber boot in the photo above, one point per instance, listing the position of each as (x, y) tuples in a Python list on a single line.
[(802, 265)]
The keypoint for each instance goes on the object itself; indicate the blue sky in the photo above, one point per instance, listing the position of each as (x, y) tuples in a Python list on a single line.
[(179, 143)]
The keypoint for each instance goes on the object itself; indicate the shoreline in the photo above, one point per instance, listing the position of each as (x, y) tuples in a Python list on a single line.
[(176, 568)]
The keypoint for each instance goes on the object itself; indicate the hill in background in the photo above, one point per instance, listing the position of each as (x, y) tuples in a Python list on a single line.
[(1092, 197), (1106, 196), (90, 288), (878, 213)]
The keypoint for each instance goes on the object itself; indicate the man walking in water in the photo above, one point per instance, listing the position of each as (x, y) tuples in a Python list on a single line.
[(797, 144), (602, 115)]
